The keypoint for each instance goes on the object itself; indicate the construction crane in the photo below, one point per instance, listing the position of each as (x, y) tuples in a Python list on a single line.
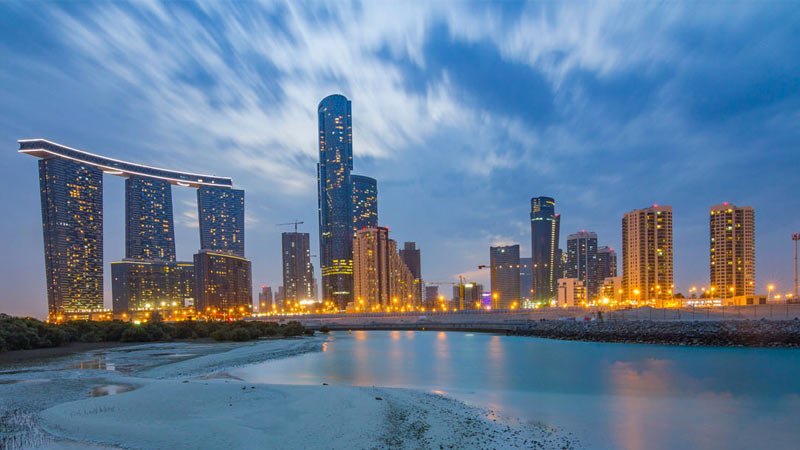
[(461, 282), (295, 223)]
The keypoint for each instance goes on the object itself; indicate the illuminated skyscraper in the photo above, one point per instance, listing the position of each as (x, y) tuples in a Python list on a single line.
[(265, 299), (72, 221), (647, 255), (149, 227), (504, 265), (371, 268), (222, 284), (335, 195), (402, 288), (411, 256), (298, 272), (545, 227), (365, 202), (582, 261), (221, 217), (732, 250)]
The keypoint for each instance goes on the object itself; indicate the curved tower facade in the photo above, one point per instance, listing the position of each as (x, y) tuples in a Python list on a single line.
[(335, 199), (545, 227)]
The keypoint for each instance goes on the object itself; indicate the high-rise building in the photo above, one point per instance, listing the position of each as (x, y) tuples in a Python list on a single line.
[(72, 221), (606, 263), (371, 271), (403, 291), (732, 250), (265, 299), (143, 286), (411, 257), (504, 265), (223, 285), (365, 202), (221, 217), (149, 226), (298, 272), (545, 227), (582, 261), (335, 207), (647, 270), (526, 282)]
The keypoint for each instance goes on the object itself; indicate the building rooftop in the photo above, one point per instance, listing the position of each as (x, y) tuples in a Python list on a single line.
[(42, 148)]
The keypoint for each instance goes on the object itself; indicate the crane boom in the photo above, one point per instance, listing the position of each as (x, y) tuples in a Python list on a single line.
[(295, 223)]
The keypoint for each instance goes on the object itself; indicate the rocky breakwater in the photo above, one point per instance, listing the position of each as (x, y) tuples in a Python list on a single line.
[(728, 333)]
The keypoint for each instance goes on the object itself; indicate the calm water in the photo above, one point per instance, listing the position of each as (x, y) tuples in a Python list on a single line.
[(614, 396)]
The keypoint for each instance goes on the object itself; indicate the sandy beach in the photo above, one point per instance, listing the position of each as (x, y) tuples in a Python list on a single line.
[(181, 396)]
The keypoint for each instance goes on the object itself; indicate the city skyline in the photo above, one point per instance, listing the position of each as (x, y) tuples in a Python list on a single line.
[(425, 171)]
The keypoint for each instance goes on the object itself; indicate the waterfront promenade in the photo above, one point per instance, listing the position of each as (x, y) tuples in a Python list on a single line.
[(501, 321)]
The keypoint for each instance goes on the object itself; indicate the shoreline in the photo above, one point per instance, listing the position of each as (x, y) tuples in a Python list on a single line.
[(720, 333), (183, 395)]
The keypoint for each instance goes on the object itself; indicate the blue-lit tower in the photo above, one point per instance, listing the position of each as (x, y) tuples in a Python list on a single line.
[(335, 205), (221, 217), (149, 226), (545, 227), (72, 221), (365, 202)]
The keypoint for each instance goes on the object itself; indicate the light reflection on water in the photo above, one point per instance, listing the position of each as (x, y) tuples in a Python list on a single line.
[(609, 395)]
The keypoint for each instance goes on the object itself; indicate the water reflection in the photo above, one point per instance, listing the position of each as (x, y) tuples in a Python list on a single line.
[(611, 396)]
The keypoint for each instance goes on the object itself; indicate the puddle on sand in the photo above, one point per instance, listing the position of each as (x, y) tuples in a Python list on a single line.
[(111, 389)]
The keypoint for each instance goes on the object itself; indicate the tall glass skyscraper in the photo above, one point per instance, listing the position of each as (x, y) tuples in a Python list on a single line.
[(365, 202), (582, 261), (221, 216), (335, 206), (149, 226), (72, 221), (545, 227), (298, 272), (504, 265), (71, 184)]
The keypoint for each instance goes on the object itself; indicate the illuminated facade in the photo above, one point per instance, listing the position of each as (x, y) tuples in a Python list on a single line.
[(223, 285), (402, 288), (335, 196), (298, 272), (412, 257), (371, 270), (582, 261), (365, 202), (732, 252), (545, 228), (221, 217), (139, 286), (571, 292), (149, 226), (72, 222), (71, 183), (647, 270), (504, 265)]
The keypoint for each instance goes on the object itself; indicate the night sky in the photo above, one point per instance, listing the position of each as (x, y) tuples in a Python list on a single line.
[(462, 112)]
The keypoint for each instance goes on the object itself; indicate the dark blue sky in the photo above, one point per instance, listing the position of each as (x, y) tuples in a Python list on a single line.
[(462, 111)]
